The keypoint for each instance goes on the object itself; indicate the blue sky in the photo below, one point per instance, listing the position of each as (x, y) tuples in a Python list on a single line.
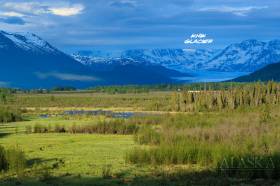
[(126, 24)]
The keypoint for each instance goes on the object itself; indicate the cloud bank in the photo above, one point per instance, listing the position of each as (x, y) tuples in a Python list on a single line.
[(20, 9), (239, 11), (66, 76), (73, 25)]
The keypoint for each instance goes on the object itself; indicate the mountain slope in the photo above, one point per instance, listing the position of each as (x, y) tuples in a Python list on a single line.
[(27, 61), (139, 72), (270, 72), (247, 56), (177, 59)]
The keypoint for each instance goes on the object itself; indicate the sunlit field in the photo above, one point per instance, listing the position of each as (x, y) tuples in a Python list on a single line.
[(226, 136)]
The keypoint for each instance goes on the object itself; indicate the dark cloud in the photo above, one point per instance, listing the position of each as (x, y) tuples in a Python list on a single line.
[(13, 20), (123, 4), (121, 24)]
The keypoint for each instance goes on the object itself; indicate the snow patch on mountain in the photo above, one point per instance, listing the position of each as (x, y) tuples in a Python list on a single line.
[(176, 59), (29, 41), (247, 56)]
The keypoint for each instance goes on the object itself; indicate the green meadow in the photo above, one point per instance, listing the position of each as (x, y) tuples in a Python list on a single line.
[(222, 136)]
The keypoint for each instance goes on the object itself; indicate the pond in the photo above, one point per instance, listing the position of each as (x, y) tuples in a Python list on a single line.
[(107, 113)]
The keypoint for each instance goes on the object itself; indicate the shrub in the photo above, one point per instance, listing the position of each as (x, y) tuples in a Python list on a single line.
[(209, 139), (38, 128), (116, 126), (147, 135), (9, 115), (13, 160), (107, 171), (3, 159), (16, 160), (59, 129), (28, 129)]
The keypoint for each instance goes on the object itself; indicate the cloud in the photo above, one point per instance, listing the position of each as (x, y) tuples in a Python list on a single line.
[(11, 17), (67, 11), (35, 8), (26, 7), (11, 14), (66, 76), (128, 24), (123, 3), (13, 20), (239, 11)]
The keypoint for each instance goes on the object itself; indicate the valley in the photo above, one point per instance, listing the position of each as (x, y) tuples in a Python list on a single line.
[(45, 66), (112, 136), (139, 93)]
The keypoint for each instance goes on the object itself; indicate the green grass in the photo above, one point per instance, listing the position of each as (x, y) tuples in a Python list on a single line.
[(72, 159), (143, 101), (91, 159), (211, 139), (173, 148), (82, 154)]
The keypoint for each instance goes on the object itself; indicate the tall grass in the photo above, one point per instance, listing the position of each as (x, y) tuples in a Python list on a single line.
[(248, 95), (210, 140), (114, 126), (9, 115), (12, 160)]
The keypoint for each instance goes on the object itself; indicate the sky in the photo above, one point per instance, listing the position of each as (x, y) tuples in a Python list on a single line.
[(73, 25)]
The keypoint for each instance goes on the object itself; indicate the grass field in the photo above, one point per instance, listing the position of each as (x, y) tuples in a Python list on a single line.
[(169, 145), (141, 101), (76, 155)]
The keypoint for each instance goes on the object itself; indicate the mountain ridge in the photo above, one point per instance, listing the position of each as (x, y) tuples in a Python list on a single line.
[(27, 61), (270, 72), (246, 56)]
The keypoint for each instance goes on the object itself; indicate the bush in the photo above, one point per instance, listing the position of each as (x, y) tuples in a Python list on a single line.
[(9, 115), (3, 159), (147, 135), (106, 127), (16, 160), (38, 128), (176, 154), (107, 171), (116, 126), (210, 139), (13, 160)]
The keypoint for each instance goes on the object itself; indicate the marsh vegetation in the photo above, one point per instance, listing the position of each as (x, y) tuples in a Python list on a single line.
[(229, 134)]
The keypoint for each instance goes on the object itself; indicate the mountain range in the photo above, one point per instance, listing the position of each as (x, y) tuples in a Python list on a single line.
[(28, 61), (247, 56)]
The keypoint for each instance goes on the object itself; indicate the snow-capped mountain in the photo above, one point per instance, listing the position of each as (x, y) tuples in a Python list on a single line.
[(247, 56), (175, 59), (28, 42), (92, 60), (123, 65), (27, 61)]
